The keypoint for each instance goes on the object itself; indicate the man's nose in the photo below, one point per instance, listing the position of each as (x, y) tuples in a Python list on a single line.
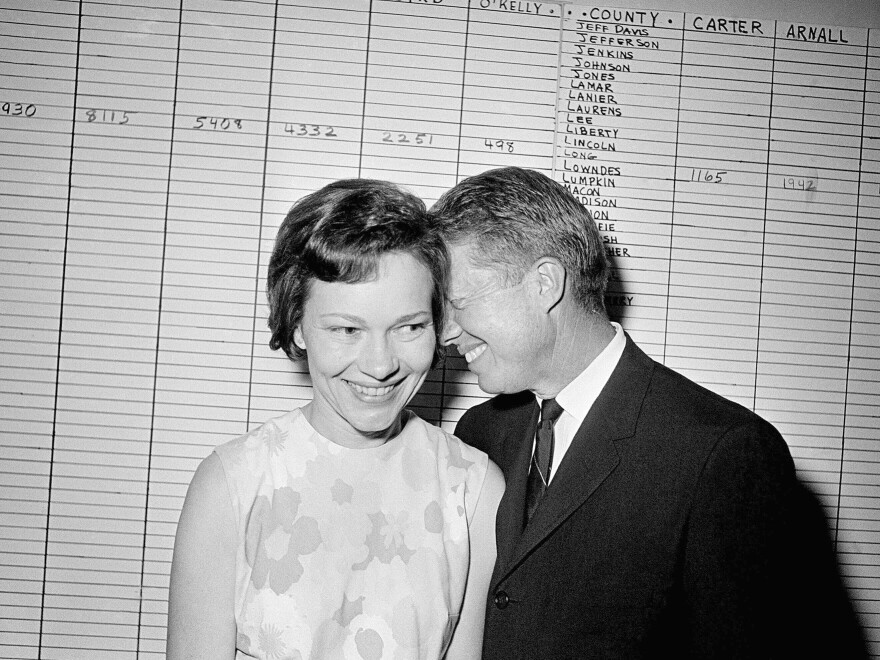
[(451, 329)]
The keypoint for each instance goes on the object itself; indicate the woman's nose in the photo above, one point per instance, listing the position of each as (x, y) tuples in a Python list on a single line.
[(379, 359)]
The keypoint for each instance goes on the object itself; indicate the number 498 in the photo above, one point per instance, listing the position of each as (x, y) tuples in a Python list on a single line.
[(499, 145)]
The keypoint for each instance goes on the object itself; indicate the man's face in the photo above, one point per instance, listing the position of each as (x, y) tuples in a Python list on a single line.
[(495, 327)]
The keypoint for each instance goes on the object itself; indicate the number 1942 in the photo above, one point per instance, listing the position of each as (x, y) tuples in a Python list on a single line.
[(799, 183)]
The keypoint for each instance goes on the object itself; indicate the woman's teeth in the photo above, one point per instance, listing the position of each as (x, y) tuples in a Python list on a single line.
[(371, 391)]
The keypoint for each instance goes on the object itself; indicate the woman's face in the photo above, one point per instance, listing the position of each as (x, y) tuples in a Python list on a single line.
[(369, 347)]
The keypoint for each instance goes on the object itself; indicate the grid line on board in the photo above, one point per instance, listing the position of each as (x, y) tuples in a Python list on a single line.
[(60, 329), (674, 188), (780, 314), (158, 345)]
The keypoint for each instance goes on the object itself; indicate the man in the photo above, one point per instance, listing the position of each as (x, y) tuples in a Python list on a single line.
[(653, 518)]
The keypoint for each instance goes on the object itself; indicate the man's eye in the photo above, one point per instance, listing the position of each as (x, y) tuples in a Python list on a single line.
[(346, 330)]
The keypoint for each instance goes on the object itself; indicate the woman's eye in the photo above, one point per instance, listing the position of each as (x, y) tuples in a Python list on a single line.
[(345, 330), (412, 329)]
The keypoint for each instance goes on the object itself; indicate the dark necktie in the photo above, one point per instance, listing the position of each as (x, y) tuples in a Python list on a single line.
[(542, 458)]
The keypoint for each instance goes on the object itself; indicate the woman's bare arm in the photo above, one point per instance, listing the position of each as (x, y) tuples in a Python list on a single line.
[(201, 618), (467, 641)]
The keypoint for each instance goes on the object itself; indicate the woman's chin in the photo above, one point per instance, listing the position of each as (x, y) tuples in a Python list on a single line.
[(380, 426)]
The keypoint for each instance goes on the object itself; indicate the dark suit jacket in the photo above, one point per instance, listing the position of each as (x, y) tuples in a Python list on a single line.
[(674, 528)]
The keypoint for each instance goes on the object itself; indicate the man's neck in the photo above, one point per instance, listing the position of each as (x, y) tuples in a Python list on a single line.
[(580, 338)]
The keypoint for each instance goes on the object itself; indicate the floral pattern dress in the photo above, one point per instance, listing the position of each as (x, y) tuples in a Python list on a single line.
[(350, 553)]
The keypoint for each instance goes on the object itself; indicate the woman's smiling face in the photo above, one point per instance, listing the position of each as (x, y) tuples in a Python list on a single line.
[(369, 347)]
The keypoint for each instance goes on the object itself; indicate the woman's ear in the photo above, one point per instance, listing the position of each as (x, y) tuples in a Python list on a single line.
[(298, 338)]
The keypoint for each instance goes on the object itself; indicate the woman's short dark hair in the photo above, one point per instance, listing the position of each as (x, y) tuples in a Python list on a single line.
[(338, 234)]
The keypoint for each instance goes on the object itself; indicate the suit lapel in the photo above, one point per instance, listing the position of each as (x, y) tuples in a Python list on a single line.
[(511, 509), (593, 456)]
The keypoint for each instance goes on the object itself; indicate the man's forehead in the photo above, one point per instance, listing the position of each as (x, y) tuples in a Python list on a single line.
[(461, 251), (462, 267), (468, 277), (465, 257)]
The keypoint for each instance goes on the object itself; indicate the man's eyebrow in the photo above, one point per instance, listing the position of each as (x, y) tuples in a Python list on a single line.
[(486, 290), (456, 302)]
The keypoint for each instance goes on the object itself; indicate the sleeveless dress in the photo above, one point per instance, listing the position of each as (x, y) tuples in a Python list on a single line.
[(350, 553)]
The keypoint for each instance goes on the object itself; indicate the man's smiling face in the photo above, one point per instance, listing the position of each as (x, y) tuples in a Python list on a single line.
[(492, 324)]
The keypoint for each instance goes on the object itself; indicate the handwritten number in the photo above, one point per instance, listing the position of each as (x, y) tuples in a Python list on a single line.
[(104, 116), (217, 123), (422, 139), (310, 130), (708, 176), (18, 109), (499, 145), (799, 183)]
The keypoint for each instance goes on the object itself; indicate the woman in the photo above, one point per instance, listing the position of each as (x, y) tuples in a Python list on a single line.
[(348, 528)]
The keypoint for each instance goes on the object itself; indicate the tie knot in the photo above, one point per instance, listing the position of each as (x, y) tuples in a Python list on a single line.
[(550, 411)]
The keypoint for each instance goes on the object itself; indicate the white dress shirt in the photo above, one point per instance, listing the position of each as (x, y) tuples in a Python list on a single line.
[(578, 396)]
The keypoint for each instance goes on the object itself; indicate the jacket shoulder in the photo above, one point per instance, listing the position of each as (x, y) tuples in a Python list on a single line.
[(486, 424), (497, 408)]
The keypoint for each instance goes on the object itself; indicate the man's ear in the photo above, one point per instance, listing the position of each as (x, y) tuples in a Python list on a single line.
[(551, 280), (298, 338)]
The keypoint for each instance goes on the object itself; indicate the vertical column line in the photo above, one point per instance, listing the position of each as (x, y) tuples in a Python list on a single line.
[(159, 322), (560, 54), (60, 330), (366, 79), (467, 34), (852, 293), (674, 188), (262, 213), (764, 221)]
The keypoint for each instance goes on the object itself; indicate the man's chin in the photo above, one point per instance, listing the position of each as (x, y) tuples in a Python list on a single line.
[(498, 385), (489, 386)]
